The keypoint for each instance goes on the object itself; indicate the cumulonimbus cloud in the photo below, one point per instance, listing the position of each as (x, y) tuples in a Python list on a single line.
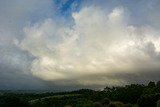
[(100, 44)]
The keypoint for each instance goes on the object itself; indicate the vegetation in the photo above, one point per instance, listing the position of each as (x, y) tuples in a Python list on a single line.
[(134, 95), (158, 103)]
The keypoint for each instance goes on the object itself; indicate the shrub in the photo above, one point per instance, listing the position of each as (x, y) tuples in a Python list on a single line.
[(116, 104), (97, 104), (128, 105), (158, 103), (112, 105), (68, 106), (119, 104), (147, 101), (105, 102)]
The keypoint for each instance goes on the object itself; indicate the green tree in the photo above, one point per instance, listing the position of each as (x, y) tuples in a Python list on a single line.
[(119, 104), (151, 84), (97, 104), (158, 84), (105, 102), (158, 103), (128, 105)]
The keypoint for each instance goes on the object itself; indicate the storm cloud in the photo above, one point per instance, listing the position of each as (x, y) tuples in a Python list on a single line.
[(102, 43)]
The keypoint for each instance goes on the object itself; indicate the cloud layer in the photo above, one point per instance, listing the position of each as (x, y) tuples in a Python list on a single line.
[(15, 63), (54, 44), (98, 46)]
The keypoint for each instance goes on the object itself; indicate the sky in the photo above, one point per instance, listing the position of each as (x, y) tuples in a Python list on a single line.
[(73, 44)]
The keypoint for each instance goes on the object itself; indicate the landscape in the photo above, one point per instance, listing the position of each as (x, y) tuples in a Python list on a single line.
[(79, 53), (133, 95)]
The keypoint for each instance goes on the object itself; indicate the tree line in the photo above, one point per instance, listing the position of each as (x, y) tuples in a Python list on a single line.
[(117, 96)]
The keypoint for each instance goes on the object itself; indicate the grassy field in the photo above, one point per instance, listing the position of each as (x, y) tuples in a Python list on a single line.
[(55, 96)]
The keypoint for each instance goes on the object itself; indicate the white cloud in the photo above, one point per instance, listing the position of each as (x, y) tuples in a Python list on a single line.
[(99, 45)]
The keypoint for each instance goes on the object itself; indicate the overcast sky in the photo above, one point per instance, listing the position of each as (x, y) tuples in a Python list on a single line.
[(70, 44)]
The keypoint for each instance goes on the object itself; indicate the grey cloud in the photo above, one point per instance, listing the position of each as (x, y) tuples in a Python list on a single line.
[(104, 45), (15, 63)]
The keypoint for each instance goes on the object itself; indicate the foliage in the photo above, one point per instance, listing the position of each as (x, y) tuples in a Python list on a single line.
[(119, 96), (128, 105), (106, 102), (127, 94), (97, 104), (158, 103)]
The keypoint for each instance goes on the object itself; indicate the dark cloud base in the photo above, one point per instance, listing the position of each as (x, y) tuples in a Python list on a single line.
[(16, 63)]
